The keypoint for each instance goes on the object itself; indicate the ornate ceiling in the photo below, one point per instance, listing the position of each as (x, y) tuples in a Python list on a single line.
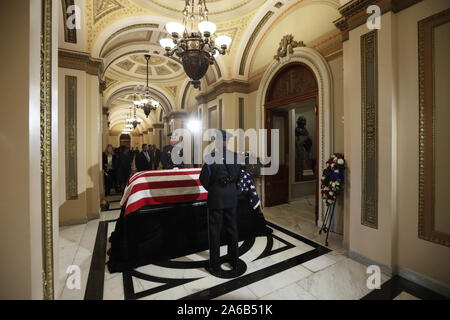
[(134, 68), (121, 31), (219, 10)]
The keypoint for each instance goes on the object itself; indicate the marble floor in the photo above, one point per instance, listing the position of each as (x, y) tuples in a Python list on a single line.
[(295, 265)]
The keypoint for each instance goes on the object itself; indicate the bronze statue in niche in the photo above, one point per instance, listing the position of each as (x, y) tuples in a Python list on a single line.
[(303, 145)]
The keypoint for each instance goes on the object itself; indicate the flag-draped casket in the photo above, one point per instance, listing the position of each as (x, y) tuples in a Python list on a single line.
[(164, 216)]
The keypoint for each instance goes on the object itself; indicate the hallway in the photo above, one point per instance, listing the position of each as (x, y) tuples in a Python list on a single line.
[(328, 276)]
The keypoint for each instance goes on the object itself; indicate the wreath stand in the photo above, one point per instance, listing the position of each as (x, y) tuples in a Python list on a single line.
[(328, 218)]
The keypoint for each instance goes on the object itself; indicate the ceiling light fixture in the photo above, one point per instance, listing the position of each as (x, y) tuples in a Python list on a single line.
[(134, 121), (147, 104), (196, 49)]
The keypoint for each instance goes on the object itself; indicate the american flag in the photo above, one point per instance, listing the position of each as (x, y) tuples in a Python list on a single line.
[(245, 186), (162, 187)]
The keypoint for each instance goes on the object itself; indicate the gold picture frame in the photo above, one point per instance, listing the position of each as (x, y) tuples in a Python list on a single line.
[(426, 229)]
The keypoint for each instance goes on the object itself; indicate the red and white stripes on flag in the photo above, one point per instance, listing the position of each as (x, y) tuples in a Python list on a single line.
[(161, 187)]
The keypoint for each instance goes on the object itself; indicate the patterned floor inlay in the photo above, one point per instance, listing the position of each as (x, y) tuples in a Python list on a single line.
[(272, 262)]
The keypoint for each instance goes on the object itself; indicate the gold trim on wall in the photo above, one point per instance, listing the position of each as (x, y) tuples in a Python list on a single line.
[(71, 138), (70, 35), (426, 229), (369, 129), (354, 13), (46, 149)]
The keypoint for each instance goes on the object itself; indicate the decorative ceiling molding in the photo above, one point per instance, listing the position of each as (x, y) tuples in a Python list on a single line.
[(252, 39), (287, 45), (212, 12), (70, 35), (104, 7), (127, 90), (172, 90), (79, 61), (150, 26), (354, 12)]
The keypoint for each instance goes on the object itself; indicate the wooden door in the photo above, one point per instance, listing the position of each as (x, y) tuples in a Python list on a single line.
[(277, 186)]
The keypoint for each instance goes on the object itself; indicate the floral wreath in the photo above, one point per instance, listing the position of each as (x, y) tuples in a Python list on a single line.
[(332, 181)]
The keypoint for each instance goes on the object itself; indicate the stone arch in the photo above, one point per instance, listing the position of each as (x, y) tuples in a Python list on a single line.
[(317, 63)]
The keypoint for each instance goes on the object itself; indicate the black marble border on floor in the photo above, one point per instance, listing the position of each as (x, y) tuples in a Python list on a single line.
[(95, 284), (250, 278), (396, 285), (96, 277), (236, 283)]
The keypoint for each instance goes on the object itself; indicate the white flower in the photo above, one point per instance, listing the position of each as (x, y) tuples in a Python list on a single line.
[(337, 183), (340, 161), (331, 193), (333, 184), (337, 171)]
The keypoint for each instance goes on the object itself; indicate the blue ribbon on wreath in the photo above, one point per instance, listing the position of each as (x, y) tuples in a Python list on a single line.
[(331, 175)]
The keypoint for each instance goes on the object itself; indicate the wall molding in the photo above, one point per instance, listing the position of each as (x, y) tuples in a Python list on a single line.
[(226, 86), (369, 129), (369, 262), (79, 61), (175, 115), (410, 275), (158, 126), (321, 69), (427, 129), (354, 12), (70, 35), (71, 137)]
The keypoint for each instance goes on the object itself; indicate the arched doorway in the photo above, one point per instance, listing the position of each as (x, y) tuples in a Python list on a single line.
[(291, 107)]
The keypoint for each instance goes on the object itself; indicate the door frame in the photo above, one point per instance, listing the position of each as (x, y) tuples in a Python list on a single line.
[(269, 112), (271, 107), (322, 72)]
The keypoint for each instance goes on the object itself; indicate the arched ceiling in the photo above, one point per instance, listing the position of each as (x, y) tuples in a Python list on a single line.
[(133, 67), (219, 10), (121, 31)]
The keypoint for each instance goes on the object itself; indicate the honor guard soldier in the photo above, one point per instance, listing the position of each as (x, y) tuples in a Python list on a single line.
[(166, 154), (219, 176)]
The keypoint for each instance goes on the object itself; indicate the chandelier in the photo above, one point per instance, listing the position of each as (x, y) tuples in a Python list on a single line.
[(133, 120), (197, 49), (147, 104)]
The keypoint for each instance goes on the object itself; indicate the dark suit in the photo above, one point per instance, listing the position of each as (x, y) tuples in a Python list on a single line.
[(222, 203), (166, 158), (157, 158), (142, 163), (109, 174)]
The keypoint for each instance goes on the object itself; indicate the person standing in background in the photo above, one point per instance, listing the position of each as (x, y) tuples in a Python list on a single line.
[(166, 155), (108, 169), (144, 159), (124, 167), (157, 158)]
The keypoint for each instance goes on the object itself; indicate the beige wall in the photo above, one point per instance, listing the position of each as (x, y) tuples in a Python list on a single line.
[(20, 205), (395, 244), (423, 257), (336, 64), (89, 147), (374, 243)]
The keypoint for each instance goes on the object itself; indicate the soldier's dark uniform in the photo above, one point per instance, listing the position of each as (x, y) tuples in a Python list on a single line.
[(166, 157), (222, 203)]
